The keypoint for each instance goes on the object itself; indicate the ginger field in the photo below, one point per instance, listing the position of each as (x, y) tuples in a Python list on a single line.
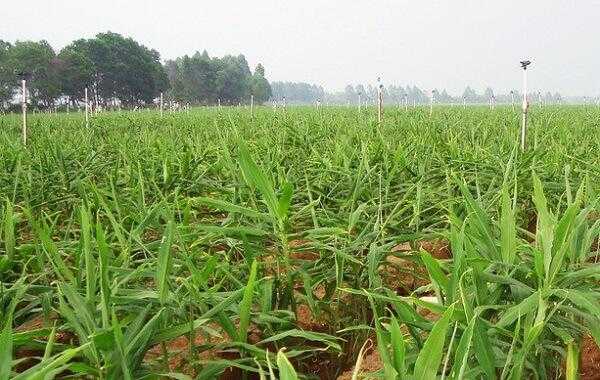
[(301, 243)]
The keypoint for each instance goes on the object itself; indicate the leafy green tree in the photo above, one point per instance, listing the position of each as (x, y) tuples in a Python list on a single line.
[(115, 67), (261, 89), (193, 78), (7, 83), (126, 69), (470, 95), (39, 60), (77, 71), (232, 79), (297, 92)]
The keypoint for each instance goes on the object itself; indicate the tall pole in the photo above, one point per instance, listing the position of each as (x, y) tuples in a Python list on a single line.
[(161, 104), (431, 103), (524, 106), (96, 105), (24, 108), (87, 109), (379, 100), (251, 106), (380, 104), (512, 99)]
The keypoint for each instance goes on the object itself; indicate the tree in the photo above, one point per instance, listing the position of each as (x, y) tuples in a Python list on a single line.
[(77, 71), (261, 89), (126, 69), (470, 95), (7, 82), (297, 92), (39, 60), (232, 79), (114, 67), (202, 79), (488, 94)]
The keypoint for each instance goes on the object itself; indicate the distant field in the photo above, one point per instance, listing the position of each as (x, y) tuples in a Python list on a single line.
[(432, 242)]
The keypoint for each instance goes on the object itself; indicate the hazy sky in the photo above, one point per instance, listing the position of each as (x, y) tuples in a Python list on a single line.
[(444, 44)]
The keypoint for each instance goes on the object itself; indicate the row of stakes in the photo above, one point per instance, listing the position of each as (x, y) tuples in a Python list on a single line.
[(524, 106)]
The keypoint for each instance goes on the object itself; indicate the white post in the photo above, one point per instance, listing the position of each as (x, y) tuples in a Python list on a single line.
[(464, 102), (251, 106), (405, 102), (431, 104), (359, 102), (219, 103), (161, 104), (24, 108), (380, 104), (512, 100), (87, 109), (96, 100), (283, 103), (524, 106)]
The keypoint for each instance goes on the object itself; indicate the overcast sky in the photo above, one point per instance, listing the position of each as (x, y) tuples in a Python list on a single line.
[(443, 44)]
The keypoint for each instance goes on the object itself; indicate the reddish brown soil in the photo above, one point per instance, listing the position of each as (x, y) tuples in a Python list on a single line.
[(307, 321), (589, 367), (371, 363), (403, 271), (179, 348)]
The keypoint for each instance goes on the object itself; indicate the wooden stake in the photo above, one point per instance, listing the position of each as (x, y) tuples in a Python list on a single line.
[(24, 108), (96, 100), (87, 109), (524, 108), (161, 104), (380, 105), (431, 104), (512, 100)]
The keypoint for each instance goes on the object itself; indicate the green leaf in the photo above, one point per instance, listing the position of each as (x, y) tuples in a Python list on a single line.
[(286, 370), (230, 207), (430, 357), (255, 177), (435, 271), (246, 304), (508, 230), (398, 348), (163, 267), (285, 200)]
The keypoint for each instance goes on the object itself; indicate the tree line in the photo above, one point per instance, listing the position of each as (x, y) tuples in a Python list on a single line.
[(299, 92), (119, 71), (200, 79)]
